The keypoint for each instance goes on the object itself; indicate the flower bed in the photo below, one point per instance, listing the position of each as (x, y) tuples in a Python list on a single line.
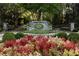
[(39, 46)]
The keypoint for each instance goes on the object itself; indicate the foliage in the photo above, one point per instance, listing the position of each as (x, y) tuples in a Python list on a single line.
[(8, 36), (19, 35), (73, 37), (14, 14), (61, 34), (39, 45), (11, 13), (50, 9)]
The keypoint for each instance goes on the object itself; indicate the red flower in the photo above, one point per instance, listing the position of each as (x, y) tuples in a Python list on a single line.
[(46, 46), (25, 49), (69, 45), (53, 45), (21, 49), (42, 43), (1, 49), (23, 41), (30, 37), (10, 43), (63, 39), (39, 38)]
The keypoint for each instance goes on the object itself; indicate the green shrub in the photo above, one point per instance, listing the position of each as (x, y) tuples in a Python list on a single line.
[(73, 37), (61, 34), (19, 35), (8, 36)]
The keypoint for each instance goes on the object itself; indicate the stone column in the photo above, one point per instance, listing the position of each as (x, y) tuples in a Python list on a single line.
[(72, 26)]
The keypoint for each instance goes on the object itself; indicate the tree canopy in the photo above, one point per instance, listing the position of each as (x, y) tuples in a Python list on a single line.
[(16, 14)]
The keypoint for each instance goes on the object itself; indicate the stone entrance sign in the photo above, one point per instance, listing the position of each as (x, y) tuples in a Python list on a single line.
[(39, 25)]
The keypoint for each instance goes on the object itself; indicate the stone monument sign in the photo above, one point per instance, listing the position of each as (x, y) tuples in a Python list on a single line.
[(39, 25)]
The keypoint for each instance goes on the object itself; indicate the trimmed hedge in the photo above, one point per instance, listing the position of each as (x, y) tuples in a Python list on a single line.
[(61, 34), (19, 35), (8, 36), (73, 37), (11, 36)]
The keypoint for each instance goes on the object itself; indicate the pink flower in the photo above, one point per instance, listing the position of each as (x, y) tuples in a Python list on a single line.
[(1, 49), (69, 45), (25, 49), (9, 43), (30, 37), (23, 41)]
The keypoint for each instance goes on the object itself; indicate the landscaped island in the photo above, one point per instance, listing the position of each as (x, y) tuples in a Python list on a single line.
[(59, 44)]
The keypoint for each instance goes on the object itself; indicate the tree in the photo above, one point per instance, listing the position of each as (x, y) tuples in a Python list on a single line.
[(10, 13), (38, 8)]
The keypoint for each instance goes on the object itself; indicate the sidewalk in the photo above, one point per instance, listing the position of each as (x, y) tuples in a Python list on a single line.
[(1, 36)]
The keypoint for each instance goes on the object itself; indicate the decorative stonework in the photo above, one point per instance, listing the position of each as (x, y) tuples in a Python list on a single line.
[(39, 25)]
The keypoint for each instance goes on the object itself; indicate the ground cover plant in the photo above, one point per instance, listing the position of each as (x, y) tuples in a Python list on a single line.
[(39, 45)]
